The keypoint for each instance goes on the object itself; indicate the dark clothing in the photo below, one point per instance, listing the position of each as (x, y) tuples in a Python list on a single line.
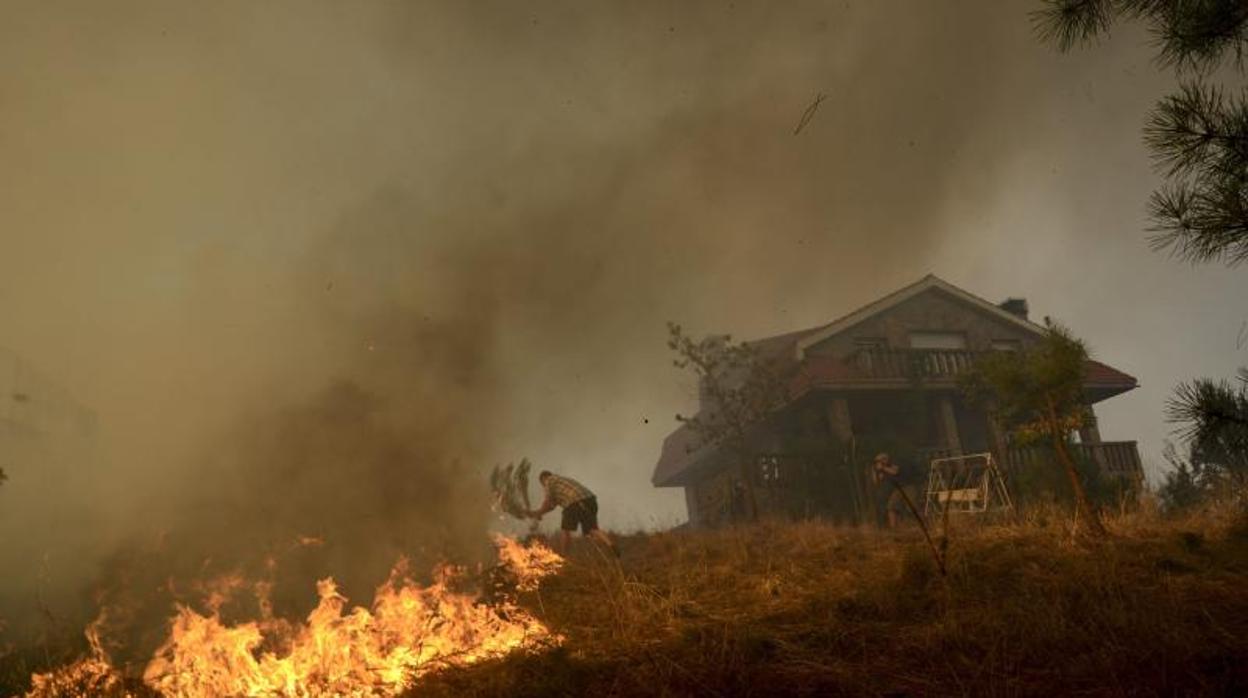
[(886, 490), (583, 513)]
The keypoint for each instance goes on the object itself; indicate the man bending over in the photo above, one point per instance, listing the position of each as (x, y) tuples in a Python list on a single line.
[(580, 508)]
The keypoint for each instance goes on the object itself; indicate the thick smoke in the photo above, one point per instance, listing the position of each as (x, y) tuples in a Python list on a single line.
[(317, 267)]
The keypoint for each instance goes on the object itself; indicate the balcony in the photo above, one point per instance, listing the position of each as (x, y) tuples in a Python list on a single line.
[(912, 364), (1117, 459), (941, 368)]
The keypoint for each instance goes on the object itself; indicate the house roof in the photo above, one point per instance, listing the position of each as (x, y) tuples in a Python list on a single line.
[(901, 295), (1102, 381), (1104, 374), (683, 450), (821, 371)]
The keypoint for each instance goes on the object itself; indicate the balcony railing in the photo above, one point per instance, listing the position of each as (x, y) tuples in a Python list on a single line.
[(1119, 459), (910, 364)]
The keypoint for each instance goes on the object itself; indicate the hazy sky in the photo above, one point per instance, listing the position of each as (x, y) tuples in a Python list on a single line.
[(484, 213)]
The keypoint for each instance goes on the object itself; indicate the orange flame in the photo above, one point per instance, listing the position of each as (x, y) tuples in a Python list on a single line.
[(92, 675), (529, 563), (410, 630)]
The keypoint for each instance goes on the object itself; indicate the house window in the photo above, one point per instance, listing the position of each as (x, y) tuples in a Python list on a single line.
[(770, 470), (937, 340), (1006, 345)]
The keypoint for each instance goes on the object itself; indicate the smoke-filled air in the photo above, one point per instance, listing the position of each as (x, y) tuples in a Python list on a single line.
[(283, 283)]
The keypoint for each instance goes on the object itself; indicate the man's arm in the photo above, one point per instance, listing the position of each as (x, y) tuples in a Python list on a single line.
[(547, 505)]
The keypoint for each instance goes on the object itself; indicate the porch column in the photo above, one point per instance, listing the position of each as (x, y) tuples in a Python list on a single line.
[(691, 505), (949, 424), (839, 421), (1090, 440), (842, 428), (1090, 432)]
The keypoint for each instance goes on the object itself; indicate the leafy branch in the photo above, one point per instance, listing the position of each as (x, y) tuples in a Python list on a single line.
[(739, 388)]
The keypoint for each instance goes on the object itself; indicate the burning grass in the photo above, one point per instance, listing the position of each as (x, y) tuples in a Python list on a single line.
[(810, 609), (409, 631), (793, 609)]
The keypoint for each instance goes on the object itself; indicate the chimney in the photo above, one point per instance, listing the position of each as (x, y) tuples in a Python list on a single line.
[(1015, 306)]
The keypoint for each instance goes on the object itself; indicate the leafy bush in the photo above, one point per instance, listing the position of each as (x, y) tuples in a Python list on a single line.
[(1181, 490)]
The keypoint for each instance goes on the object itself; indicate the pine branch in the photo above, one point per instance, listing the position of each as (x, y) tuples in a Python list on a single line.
[(1206, 407), (1213, 419), (1197, 36), (1068, 23), (1191, 35), (1194, 129), (1199, 139)]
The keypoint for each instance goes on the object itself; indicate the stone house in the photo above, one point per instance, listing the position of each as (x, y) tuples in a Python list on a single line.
[(884, 377)]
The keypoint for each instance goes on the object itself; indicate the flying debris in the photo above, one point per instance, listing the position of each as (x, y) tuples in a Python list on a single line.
[(809, 113)]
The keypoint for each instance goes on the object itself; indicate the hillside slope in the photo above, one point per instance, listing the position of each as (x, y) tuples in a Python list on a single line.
[(810, 609)]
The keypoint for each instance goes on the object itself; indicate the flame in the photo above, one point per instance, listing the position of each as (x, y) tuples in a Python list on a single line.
[(410, 630), (92, 675), (529, 563)]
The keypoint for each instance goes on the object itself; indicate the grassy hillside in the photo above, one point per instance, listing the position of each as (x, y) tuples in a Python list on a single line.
[(1161, 608), (810, 609)]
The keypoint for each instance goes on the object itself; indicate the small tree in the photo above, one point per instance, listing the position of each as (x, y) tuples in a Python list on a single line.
[(1186, 485), (739, 388), (1037, 393), (1213, 419)]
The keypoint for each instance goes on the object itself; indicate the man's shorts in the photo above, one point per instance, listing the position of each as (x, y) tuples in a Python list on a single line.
[(583, 513)]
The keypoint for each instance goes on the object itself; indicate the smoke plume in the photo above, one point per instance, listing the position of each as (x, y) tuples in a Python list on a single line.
[(317, 267)]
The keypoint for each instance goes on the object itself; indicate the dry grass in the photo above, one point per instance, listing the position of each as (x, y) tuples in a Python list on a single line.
[(811, 609)]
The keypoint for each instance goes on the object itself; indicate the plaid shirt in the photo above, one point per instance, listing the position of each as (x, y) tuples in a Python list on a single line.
[(562, 491)]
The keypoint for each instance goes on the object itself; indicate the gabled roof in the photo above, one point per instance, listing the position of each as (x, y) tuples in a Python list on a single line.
[(931, 281)]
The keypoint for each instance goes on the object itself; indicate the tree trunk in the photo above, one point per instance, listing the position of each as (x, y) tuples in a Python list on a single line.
[(1082, 507)]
